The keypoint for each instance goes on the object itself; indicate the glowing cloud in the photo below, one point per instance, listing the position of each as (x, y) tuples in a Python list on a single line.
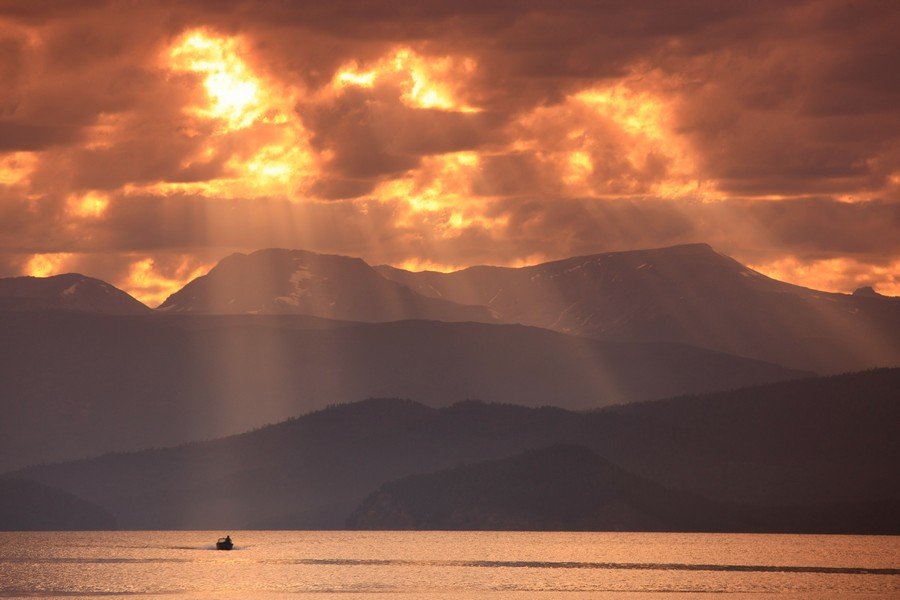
[(233, 90), (90, 205), (418, 265), (45, 265), (257, 128), (440, 193), (151, 284), (835, 274), (16, 168), (469, 135), (655, 153), (433, 82)]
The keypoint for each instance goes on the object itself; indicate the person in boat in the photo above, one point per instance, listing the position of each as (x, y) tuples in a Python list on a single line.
[(228, 539)]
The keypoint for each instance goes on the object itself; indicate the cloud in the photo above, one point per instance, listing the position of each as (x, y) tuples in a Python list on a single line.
[(142, 141)]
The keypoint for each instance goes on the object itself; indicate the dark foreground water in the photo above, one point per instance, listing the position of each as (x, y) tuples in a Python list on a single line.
[(443, 565)]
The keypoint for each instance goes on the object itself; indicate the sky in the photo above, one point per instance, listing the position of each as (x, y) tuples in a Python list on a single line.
[(141, 142)]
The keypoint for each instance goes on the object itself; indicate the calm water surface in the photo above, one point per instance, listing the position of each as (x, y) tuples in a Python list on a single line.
[(444, 565)]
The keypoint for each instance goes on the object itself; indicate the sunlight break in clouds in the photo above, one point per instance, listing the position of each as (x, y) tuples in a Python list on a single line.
[(835, 274), (431, 83), (89, 205), (149, 279), (256, 132), (152, 285), (45, 265), (451, 135), (234, 92)]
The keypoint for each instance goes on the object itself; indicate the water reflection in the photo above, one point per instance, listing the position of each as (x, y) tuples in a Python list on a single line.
[(446, 564)]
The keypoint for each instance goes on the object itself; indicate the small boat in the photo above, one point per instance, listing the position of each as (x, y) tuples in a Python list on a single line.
[(224, 543)]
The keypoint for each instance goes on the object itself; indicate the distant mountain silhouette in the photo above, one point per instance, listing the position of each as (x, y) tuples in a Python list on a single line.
[(297, 282), (816, 442), (569, 488), (869, 292), (70, 291), (29, 506), (77, 384), (689, 294)]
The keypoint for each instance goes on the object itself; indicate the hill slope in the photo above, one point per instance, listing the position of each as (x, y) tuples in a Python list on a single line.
[(70, 291), (688, 294), (569, 488), (313, 471), (76, 384), (29, 506), (297, 282)]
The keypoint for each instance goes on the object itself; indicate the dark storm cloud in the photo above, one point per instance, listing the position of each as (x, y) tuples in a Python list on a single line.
[(24, 136)]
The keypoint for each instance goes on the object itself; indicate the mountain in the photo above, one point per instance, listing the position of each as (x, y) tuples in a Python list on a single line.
[(313, 471), (569, 488), (868, 292), (825, 419), (70, 291), (556, 488), (77, 384), (297, 282), (689, 294), (29, 506)]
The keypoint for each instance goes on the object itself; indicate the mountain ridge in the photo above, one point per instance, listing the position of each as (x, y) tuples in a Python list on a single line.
[(189, 376), (281, 281), (689, 294), (29, 506), (567, 487), (314, 470), (70, 291)]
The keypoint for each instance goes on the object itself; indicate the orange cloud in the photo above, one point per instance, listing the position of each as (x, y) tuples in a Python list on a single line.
[(426, 82), (16, 168), (152, 283), (90, 205), (835, 274), (150, 279), (234, 92), (45, 265), (450, 136), (246, 119), (614, 140)]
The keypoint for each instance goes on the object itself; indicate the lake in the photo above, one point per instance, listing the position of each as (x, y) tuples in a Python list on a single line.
[(447, 564)]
